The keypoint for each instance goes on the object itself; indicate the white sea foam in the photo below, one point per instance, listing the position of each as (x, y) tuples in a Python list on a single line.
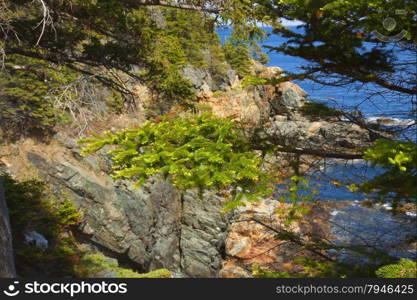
[(411, 214), (387, 206), (391, 121)]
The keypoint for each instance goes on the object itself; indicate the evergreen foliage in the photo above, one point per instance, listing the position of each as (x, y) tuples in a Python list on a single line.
[(194, 151), (237, 53), (339, 41), (405, 268), (399, 160), (27, 93), (112, 43), (297, 195), (93, 264)]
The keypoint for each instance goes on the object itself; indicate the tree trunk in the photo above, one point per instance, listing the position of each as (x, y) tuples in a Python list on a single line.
[(7, 267)]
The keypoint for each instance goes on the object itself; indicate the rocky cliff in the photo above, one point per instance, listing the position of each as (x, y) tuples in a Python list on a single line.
[(156, 226), (153, 227)]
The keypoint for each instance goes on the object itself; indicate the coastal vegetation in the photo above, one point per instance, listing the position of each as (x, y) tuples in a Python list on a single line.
[(66, 61)]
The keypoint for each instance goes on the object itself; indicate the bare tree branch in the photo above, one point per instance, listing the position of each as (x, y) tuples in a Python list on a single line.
[(319, 153), (46, 20), (210, 6)]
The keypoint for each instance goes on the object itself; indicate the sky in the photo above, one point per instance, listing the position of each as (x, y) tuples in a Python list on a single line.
[(285, 22)]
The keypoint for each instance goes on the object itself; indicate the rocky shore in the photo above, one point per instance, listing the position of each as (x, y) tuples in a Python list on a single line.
[(158, 227)]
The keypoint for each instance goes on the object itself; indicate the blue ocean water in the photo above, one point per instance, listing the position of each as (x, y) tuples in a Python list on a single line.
[(352, 97), (375, 225)]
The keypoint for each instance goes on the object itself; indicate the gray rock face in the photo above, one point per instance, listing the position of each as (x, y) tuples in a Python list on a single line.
[(292, 99), (305, 134), (203, 234), (7, 267), (155, 226), (203, 80), (197, 77)]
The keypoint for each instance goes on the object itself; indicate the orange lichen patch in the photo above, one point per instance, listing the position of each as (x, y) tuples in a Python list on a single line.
[(245, 104), (314, 128), (271, 73), (232, 269), (254, 242), (250, 241), (288, 266), (238, 105), (6, 162)]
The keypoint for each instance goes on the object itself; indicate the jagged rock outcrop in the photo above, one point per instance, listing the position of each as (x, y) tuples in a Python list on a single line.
[(252, 239), (204, 81), (154, 226), (323, 135), (275, 111), (7, 267), (255, 105)]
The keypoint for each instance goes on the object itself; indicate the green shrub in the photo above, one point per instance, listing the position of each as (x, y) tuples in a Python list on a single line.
[(93, 264), (399, 160), (104, 42), (405, 268), (238, 55), (26, 93), (195, 151)]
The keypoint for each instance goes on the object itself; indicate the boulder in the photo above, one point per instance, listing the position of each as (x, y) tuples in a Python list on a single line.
[(292, 96), (200, 78), (302, 133), (252, 239), (254, 105), (245, 105), (203, 234), (36, 239)]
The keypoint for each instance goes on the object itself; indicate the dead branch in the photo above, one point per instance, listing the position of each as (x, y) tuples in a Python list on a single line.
[(46, 20), (210, 6)]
